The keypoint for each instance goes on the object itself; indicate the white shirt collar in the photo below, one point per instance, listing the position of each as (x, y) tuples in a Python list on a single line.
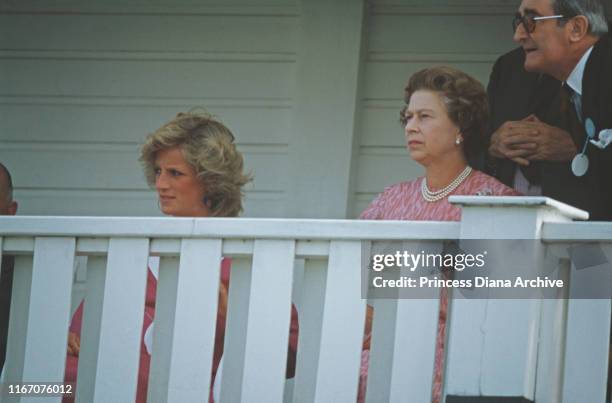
[(575, 78)]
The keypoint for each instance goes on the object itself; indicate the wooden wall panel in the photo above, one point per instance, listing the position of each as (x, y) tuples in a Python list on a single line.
[(114, 167), (82, 83), (149, 33), (96, 120)]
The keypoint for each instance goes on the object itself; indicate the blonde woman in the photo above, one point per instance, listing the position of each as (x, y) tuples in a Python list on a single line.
[(197, 171)]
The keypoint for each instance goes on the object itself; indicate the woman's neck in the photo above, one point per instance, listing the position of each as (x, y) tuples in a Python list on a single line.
[(442, 174)]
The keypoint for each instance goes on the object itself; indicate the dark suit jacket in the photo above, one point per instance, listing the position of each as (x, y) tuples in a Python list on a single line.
[(6, 284), (515, 93), (597, 105)]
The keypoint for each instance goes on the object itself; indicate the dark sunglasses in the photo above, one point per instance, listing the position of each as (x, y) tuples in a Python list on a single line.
[(529, 21)]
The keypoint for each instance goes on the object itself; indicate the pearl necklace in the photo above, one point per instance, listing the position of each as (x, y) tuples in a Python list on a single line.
[(430, 196)]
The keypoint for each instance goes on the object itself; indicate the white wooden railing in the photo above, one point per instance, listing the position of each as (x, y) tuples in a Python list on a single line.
[(554, 351)]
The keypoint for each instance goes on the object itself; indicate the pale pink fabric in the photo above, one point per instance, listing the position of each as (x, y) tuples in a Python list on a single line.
[(403, 201)]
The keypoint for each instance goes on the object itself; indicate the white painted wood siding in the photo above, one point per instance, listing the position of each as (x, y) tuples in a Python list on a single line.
[(81, 84), (312, 90)]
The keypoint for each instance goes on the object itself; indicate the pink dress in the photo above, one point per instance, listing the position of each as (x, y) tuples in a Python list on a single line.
[(403, 201)]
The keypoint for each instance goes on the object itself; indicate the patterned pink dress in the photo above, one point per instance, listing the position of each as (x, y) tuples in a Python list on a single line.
[(403, 201)]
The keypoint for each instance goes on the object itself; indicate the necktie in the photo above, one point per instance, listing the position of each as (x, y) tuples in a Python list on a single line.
[(576, 100), (573, 116)]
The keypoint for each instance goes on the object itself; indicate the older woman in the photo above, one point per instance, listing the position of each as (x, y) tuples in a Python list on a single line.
[(444, 123), (197, 171)]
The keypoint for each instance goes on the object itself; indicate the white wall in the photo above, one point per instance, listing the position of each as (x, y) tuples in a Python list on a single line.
[(81, 84), (311, 89)]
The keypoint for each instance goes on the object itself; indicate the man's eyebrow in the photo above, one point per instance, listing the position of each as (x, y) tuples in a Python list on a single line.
[(530, 11)]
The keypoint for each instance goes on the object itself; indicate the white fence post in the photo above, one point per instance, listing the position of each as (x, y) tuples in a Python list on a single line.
[(588, 339), (493, 348)]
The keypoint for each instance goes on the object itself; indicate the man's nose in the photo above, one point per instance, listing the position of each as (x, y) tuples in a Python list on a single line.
[(520, 33)]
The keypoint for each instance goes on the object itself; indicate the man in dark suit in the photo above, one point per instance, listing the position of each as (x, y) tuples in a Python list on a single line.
[(7, 207), (542, 96)]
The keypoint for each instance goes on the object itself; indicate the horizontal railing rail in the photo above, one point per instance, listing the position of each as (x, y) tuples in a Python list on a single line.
[(539, 350)]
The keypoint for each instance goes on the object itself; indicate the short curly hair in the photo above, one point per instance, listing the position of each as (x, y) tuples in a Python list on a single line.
[(208, 146), (464, 97)]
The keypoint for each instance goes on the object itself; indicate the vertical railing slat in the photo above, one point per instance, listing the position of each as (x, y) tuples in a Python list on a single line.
[(235, 330), (311, 320), (165, 308), (550, 362), (121, 322), (549, 380), (193, 324), (402, 355), (268, 321), (343, 325), (398, 347), (20, 301), (90, 328), (49, 311), (586, 350)]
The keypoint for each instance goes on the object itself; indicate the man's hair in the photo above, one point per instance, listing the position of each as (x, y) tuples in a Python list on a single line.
[(593, 10), (9, 182)]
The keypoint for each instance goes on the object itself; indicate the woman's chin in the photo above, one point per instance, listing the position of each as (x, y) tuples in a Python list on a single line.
[(167, 210), (416, 155)]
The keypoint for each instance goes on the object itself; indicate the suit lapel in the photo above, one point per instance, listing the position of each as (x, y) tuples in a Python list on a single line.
[(597, 85)]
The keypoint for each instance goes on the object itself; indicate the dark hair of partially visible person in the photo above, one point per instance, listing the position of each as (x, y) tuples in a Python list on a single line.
[(208, 146), (593, 10), (9, 182), (465, 100)]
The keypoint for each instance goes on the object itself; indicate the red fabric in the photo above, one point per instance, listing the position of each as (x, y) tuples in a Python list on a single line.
[(145, 358)]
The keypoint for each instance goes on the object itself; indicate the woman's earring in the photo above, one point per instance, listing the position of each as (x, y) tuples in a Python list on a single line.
[(458, 140)]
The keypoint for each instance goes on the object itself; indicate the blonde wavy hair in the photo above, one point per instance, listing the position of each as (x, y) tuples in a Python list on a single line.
[(208, 146)]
